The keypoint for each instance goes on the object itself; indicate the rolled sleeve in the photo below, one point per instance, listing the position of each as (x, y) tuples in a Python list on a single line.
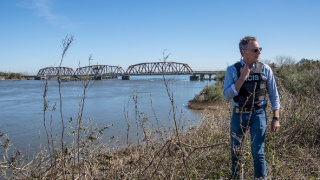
[(233, 87), (229, 90), (272, 89)]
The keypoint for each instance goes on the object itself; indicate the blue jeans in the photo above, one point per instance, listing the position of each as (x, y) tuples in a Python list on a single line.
[(257, 126)]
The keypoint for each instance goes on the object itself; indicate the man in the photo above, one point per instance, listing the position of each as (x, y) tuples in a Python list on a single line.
[(246, 82)]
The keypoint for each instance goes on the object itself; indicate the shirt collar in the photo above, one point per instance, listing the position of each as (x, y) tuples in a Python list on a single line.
[(244, 63)]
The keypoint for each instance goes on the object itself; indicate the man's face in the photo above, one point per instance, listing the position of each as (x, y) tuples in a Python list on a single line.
[(252, 53)]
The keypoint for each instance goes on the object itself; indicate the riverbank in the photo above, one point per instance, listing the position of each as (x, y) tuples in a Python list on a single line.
[(196, 152), (4, 79)]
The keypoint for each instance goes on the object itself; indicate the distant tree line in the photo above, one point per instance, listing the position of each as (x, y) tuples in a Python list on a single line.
[(300, 77), (6, 75)]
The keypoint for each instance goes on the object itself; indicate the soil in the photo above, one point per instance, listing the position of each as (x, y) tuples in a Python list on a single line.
[(202, 105)]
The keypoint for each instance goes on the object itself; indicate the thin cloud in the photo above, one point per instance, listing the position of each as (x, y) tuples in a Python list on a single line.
[(43, 8)]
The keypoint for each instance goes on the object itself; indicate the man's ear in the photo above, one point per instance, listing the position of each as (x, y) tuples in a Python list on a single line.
[(243, 51)]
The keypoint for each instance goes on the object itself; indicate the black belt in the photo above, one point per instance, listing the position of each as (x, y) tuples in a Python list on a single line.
[(247, 109)]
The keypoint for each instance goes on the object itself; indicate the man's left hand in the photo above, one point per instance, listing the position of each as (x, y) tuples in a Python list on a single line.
[(275, 125)]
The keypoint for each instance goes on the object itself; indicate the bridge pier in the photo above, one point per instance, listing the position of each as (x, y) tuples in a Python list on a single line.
[(97, 78), (38, 78), (125, 77), (201, 77), (194, 78)]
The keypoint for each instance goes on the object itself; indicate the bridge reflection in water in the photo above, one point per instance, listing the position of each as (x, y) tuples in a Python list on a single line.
[(106, 71)]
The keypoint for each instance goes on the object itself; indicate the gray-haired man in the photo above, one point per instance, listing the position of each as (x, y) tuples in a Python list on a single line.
[(247, 82)]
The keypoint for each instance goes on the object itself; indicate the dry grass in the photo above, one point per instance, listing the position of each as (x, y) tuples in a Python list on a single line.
[(202, 152), (291, 153)]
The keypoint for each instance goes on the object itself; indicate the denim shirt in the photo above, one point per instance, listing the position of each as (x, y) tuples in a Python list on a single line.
[(229, 90)]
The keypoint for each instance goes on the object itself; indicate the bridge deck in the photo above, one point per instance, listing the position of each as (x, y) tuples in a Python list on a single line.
[(206, 72)]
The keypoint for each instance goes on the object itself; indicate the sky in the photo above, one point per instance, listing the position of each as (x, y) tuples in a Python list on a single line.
[(202, 33)]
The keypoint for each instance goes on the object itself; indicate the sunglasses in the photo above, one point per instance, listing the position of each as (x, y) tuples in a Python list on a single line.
[(257, 49)]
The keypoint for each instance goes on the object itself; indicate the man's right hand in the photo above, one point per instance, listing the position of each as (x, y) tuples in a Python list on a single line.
[(244, 73)]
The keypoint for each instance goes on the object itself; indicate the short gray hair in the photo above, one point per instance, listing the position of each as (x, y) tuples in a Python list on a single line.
[(243, 44)]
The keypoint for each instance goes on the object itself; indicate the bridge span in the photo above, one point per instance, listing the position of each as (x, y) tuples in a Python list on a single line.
[(157, 68), (107, 71), (99, 71), (201, 74)]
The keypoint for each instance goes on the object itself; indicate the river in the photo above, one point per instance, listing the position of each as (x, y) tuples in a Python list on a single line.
[(108, 102)]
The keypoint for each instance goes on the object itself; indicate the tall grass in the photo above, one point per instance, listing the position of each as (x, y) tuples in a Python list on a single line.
[(297, 145), (69, 159)]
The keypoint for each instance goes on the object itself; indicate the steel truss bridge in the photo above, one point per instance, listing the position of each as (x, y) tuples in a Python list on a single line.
[(102, 71), (155, 68), (159, 68), (51, 72), (99, 71)]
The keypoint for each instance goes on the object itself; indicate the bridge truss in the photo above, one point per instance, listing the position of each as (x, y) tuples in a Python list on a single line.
[(99, 71), (55, 72), (159, 68)]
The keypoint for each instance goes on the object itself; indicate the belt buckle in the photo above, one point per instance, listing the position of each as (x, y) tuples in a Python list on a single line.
[(246, 110)]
